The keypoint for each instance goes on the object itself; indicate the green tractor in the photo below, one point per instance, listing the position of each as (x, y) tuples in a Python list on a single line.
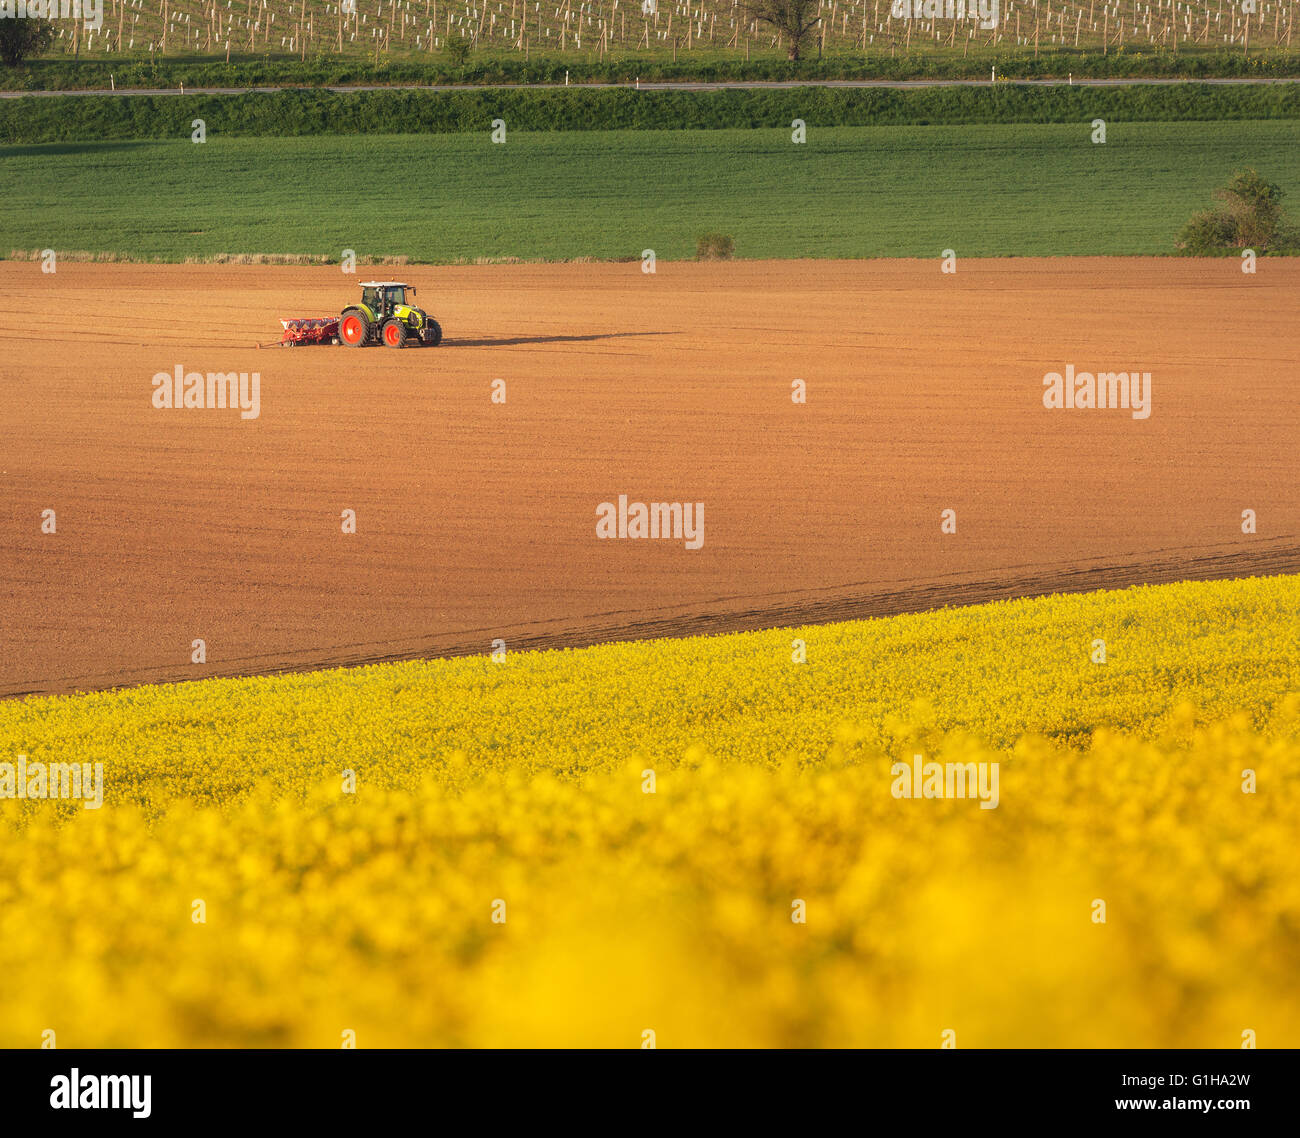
[(385, 317)]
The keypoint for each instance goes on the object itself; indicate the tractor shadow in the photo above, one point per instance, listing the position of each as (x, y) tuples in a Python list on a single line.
[(512, 341)]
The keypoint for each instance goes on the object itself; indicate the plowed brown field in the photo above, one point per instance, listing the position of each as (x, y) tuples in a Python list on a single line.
[(476, 520)]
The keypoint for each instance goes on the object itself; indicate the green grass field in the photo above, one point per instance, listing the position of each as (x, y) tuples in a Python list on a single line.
[(1020, 190)]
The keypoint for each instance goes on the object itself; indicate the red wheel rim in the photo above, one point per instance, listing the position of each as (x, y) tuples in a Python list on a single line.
[(390, 335), (351, 329)]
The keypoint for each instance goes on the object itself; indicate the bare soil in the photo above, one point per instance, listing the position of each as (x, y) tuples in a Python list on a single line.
[(477, 521)]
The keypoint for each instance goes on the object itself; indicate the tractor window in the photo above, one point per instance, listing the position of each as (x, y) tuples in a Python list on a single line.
[(396, 296), (370, 298)]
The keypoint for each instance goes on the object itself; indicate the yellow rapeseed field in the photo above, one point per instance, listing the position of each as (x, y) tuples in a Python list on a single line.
[(698, 839)]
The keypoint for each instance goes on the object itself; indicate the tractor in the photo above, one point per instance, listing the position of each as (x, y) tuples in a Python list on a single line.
[(384, 316)]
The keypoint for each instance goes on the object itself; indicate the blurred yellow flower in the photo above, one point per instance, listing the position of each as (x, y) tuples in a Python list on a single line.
[(505, 872)]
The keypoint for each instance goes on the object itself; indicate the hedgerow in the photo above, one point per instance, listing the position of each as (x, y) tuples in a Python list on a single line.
[(83, 118)]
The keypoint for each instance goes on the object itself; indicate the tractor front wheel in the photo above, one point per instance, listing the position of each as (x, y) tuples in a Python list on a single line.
[(354, 329), (394, 334), (432, 333)]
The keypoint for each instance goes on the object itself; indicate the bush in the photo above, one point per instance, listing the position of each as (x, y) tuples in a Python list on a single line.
[(1249, 216), (21, 38), (714, 247), (287, 113), (458, 48), (64, 73), (1206, 234)]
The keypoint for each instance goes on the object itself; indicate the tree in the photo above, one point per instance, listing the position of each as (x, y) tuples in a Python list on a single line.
[(1249, 216), (458, 47), (21, 38), (794, 19)]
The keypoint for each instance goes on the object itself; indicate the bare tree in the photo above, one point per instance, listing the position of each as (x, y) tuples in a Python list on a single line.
[(794, 19)]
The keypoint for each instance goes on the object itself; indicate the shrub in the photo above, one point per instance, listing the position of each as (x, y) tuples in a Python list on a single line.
[(1207, 233), (714, 247), (22, 38), (458, 49), (1249, 216), (288, 113)]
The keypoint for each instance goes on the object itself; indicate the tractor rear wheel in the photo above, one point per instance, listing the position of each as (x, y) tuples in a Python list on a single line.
[(354, 329), (432, 333), (393, 333)]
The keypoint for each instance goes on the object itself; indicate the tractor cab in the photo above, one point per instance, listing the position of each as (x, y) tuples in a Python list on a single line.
[(384, 297), (387, 315)]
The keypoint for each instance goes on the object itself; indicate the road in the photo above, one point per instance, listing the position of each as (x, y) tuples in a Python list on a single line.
[(738, 85)]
